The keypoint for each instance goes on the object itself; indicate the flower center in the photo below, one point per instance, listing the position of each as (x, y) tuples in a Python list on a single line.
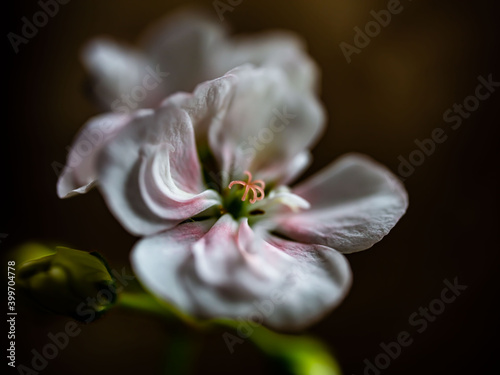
[(237, 200), (256, 187)]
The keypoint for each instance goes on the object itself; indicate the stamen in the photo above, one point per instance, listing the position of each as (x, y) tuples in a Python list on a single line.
[(257, 187)]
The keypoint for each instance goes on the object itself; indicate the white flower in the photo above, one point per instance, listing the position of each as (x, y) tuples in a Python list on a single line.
[(224, 236)]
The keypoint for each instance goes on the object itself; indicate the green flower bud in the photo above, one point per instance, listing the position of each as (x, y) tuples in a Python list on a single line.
[(67, 281), (31, 250)]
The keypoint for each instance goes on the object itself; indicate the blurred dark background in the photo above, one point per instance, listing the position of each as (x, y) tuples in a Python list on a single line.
[(395, 91)]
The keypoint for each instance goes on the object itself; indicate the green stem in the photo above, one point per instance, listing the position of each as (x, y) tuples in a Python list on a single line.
[(147, 304), (184, 341), (305, 354), (143, 303)]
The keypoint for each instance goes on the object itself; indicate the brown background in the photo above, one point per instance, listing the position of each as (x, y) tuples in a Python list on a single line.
[(394, 92)]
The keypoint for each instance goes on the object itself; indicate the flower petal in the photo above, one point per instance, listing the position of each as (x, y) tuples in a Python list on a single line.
[(158, 261), (272, 48), (284, 173), (267, 124), (212, 110), (354, 203), (117, 70), (170, 184), (317, 280), (197, 47), (228, 270), (206, 106), (280, 201), (183, 43), (150, 174), (79, 174), (193, 46)]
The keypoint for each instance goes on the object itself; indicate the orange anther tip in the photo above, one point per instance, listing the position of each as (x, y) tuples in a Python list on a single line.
[(256, 187)]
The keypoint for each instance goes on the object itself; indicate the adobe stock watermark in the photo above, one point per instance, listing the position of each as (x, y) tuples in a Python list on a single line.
[(419, 320), (280, 120), (363, 37), (29, 29), (223, 6), (263, 308), (455, 115), (87, 311)]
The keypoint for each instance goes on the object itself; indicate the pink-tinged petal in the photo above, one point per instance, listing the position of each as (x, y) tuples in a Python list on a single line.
[(117, 71), (317, 280), (79, 174), (170, 184), (354, 203), (226, 258), (230, 271), (183, 43), (267, 124), (159, 261), (206, 106), (150, 174)]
